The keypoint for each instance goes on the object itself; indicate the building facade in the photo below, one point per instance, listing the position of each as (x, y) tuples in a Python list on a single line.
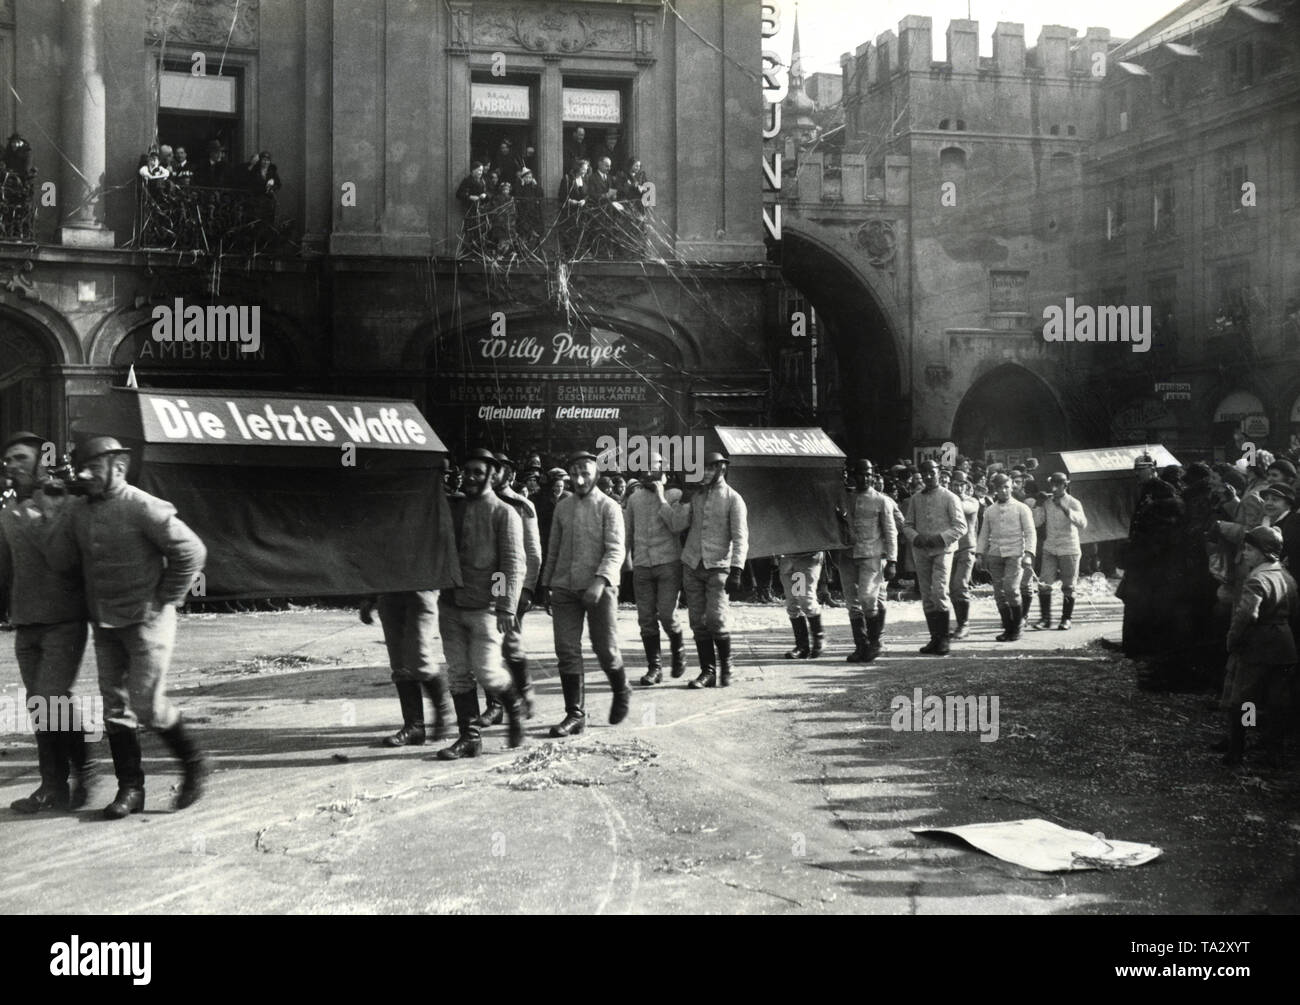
[(359, 264)]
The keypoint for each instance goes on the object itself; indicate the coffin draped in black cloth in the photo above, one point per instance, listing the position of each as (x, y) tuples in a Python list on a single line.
[(291, 518)]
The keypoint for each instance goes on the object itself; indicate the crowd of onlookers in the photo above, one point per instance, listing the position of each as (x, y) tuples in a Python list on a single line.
[(600, 211), (163, 168)]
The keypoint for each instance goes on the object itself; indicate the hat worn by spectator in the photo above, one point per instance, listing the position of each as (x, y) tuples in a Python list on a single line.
[(100, 446), (1267, 539), (1283, 490), (23, 437), (713, 457), (484, 455), (556, 473), (1285, 466), (504, 460), (580, 456)]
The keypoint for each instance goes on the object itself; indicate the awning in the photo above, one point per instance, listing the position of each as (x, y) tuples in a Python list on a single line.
[(1108, 462), (1104, 483), (780, 447)]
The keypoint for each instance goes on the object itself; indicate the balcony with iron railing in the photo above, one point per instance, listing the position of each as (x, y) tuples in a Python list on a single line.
[(538, 229), (208, 221), (18, 206)]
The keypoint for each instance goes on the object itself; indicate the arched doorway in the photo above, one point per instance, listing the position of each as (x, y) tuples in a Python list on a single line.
[(1009, 410), (29, 398), (860, 398)]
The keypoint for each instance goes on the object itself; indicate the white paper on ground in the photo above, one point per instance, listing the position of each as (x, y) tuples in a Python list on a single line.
[(1047, 847)]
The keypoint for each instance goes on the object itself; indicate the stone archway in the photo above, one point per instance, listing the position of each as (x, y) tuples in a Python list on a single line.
[(858, 324), (30, 397), (1009, 408)]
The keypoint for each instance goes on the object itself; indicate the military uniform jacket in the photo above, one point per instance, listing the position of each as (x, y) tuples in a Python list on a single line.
[(1008, 530), (135, 555), (490, 544), (1260, 632), (1061, 526), (38, 594), (532, 534), (871, 522), (936, 511), (586, 542), (718, 522), (651, 539)]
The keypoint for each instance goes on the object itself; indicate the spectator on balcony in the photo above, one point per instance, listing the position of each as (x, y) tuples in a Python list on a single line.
[(507, 164), (18, 157), (153, 173), (574, 195), (181, 168), (576, 148), (263, 177), (491, 181), (529, 158), (528, 206), (212, 172), (501, 213), (472, 194), (166, 157)]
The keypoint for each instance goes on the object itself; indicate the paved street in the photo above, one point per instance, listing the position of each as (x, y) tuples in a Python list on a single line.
[(788, 792)]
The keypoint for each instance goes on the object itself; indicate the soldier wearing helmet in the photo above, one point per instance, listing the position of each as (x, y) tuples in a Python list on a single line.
[(868, 565), (1062, 518), (654, 554), (934, 524)]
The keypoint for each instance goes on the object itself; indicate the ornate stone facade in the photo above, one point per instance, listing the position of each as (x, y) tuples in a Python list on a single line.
[(216, 23)]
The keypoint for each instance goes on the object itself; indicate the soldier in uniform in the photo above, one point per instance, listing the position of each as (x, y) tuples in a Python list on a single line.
[(1261, 648), (654, 552), (138, 562), (410, 623), (934, 524), (490, 544), (583, 559), (512, 643), (1007, 540), (799, 575), (1061, 518), (48, 611), (717, 541), (869, 563), (963, 563)]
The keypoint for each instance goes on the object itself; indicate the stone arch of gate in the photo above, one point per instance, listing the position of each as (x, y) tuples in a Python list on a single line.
[(863, 323), (1009, 406), (34, 339)]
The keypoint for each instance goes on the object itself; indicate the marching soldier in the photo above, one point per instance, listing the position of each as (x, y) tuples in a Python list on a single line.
[(1260, 647), (717, 541), (490, 544), (867, 566), (654, 552), (138, 562), (1007, 540), (583, 559), (48, 611), (410, 623), (934, 524), (963, 564), (1062, 518), (512, 647), (799, 576)]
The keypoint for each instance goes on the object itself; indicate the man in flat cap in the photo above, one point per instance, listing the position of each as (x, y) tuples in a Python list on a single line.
[(490, 545), (583, 559), (48, 611), (1261, 648), (138, 561), (1062, 518), (717, 541), (1279, 509)]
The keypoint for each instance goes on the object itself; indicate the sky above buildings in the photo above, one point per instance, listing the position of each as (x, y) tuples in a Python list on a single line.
[(830, 27)]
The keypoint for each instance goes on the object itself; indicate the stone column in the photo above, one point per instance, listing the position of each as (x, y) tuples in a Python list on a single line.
[(550, 127), (84, 129)]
